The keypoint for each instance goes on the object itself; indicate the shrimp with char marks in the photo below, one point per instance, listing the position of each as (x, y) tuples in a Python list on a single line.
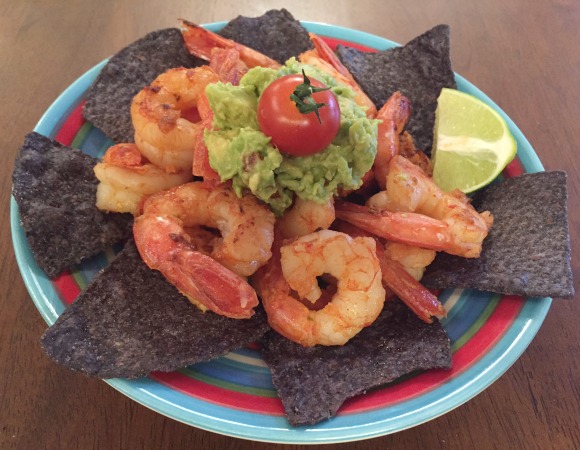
[(394, 115), (421, 214), (409, 189), (246, 225), (293, 271), (159, 113), (210, 281), (392, 140)]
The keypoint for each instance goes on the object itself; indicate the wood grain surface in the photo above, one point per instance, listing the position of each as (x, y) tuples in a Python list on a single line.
[(525, 55)]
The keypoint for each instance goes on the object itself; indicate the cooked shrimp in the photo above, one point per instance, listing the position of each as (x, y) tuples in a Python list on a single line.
[(200, 42), (359, 295), (306, 216), (201, 166), (327, 54), (164, 246), (419, 299), (229, 68), (409, 189), (419, 213), (323, 58), (162, 133), (413, 259), (409, 228), (397, 279), (126, 178), (394, 115), (246, 226), (418, 157), (393, 140), (227, 64)]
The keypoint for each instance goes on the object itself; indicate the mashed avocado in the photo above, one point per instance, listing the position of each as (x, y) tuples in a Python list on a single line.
[(240, 152)]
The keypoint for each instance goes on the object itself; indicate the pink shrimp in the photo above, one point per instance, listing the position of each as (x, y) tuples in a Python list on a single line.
[(306, 216), (126, 177), (394, 115), (397, 280), (200, 42), (163, 132), (419, 213), (226, 62), (211, 281), (421, 301), (409, 228), (292, 272), (393, 140), (201, 166), (164, 246), (324, 59)]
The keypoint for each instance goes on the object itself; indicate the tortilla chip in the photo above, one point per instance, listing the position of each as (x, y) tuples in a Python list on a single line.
[(130, 322), (275, 34), (55, 189), (108, 101), (313, 382), (527, 251), (419, 70)]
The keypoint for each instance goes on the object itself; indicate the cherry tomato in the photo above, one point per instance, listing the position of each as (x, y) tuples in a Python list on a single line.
[(291, 131)]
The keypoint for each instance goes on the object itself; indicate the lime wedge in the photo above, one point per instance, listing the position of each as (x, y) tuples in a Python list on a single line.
[(472, 142)]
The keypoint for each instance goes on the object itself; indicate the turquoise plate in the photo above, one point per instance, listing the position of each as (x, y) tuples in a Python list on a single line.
[(233, 395)]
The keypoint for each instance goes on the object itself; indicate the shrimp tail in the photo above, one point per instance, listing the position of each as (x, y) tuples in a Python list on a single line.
[(418, 298), (210, 284), (200, 42), (328, 55), (397, 110), (323, 58), (408, 228), (204, 281)]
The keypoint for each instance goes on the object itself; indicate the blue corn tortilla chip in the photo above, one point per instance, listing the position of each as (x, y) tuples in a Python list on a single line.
[(55, 189), (130, 322), (275, 34), (109, 99), (420, 69), (313, 382), (527, 251)]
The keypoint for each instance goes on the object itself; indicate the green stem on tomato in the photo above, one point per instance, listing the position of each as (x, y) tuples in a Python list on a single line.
[(302, 96)]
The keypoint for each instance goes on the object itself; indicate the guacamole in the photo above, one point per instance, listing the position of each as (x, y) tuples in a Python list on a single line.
[(240, 152)]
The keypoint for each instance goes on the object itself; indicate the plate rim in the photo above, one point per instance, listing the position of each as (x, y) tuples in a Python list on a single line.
[(37, 284)]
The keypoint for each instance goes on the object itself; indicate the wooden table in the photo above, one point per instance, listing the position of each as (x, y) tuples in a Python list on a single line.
[(524, 55)]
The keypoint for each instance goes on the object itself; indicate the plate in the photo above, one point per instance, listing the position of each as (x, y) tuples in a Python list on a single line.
[(233, 395)]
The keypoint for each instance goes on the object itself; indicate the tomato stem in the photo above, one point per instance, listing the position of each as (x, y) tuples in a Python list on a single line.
[(302, 96)]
